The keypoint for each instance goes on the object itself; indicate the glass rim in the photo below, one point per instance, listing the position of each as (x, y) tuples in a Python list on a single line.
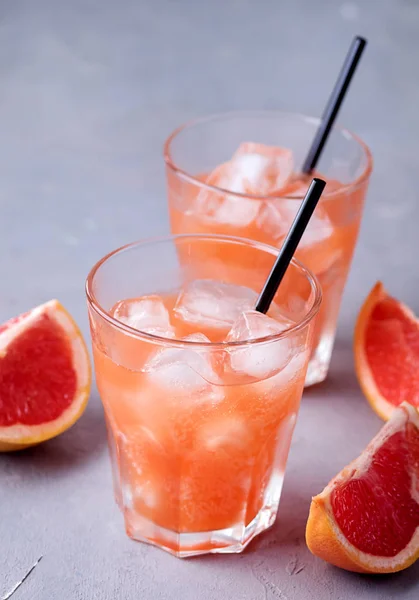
[(328, 196), (175, 342)]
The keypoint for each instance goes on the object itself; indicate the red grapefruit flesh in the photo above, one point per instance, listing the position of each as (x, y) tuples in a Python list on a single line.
[(386, 348), (367, 518), (44, 376)]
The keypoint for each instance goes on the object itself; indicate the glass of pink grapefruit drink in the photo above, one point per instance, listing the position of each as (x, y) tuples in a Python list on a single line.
[(238, 174), (200, 391)]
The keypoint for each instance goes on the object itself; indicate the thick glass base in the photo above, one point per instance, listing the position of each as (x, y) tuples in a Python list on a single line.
[(222, 541)]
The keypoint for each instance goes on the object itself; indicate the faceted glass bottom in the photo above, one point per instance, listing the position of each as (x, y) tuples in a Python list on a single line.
[(222, 541)]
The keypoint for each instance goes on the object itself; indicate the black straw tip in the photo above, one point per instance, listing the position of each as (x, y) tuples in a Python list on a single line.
[(361, 40), (335, 101), (320, 183)]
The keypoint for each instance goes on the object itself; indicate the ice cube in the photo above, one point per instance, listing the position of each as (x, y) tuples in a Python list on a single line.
[(186, 372), (148, 494), (288, 374), (296, 188), (263, 359), (127, 496), (252, 324), (212, 303), (224, 432), (254, 170), (224, 208), (147, 314), (196, 337), (144, 492), (262, 169), (276, 216), (269, 388), (318, 230)]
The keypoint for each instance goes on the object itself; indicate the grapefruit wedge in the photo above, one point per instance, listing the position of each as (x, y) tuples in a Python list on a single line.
[(367, 518), (44, 376), (386, 347)]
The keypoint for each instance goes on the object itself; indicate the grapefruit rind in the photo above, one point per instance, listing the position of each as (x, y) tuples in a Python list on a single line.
[(17, 437), (324, 537), (379, 404)]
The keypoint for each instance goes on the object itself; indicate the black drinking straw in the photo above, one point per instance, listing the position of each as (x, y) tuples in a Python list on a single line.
[(334, 104), (290, 244)]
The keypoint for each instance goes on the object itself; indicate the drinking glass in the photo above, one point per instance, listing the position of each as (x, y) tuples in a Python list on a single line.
[(199, 431), (193, 151)]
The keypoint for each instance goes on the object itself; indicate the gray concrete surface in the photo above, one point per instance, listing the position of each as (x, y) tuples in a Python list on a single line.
[(89, 90)]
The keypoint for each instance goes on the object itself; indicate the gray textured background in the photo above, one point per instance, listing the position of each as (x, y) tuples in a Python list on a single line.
[(88, 91)]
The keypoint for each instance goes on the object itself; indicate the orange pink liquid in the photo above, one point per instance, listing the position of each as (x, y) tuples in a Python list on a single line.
[(189, 466), (329, 259)]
